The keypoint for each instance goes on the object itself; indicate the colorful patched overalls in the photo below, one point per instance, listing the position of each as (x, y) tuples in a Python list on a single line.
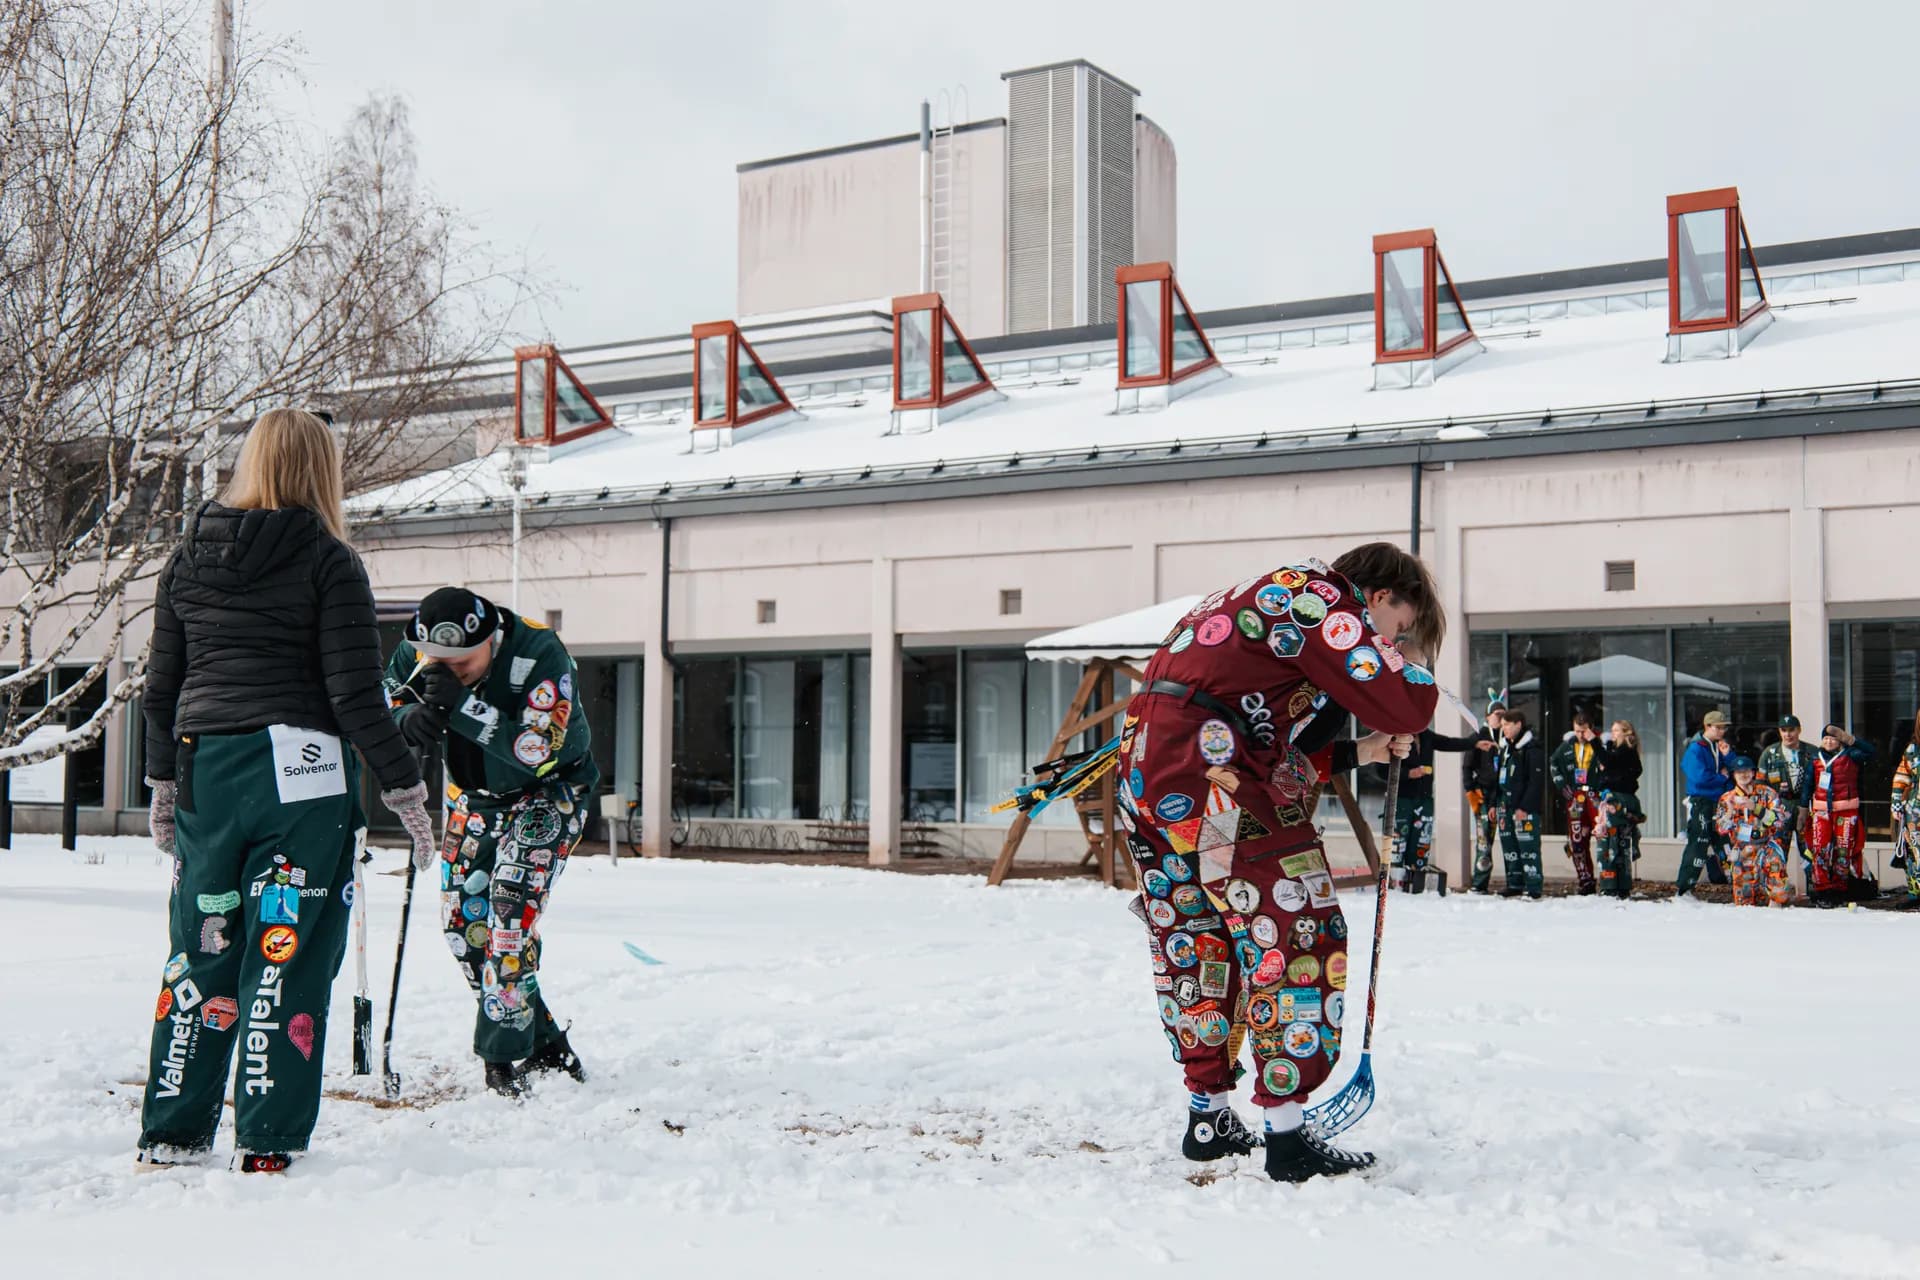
[(1906, 815), (1239, 902), (1575, 769), (1750, 818), (519, 761)]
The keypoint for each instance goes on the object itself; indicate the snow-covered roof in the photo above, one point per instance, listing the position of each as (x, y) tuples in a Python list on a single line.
[(1852, 345), (1128, 636)]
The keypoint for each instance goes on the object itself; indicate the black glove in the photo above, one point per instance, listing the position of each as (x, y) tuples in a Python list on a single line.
[(440, 688), (422, 726)]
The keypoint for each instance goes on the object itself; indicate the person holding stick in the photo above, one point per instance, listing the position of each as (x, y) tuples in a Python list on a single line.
[(496, 693), (1236, 890), (265, 663)]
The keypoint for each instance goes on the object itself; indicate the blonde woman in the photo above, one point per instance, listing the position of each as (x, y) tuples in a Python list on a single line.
[(265, 666), (1620, 811)]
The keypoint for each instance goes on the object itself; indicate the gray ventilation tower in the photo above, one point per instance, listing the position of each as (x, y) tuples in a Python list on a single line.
[(1070, 194)]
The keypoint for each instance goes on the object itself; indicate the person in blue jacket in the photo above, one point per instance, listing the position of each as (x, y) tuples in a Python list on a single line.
[(1705, 765)]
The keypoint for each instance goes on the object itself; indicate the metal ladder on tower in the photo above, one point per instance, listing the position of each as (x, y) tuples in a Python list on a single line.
[(950, 202)]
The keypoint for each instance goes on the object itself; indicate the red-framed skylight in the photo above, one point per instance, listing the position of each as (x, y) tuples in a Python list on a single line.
[(550, 404), (1160, 342), (1706, 233), (1417, 313), (731, 387), (933, 363)]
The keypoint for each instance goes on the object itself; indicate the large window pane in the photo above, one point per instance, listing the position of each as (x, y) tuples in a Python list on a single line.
[(916, 355), (703, 735), (858, 748), (929, 729), (1143, 329), (1486, 669), (531, 423), (1188, 349), (836, 738), (766, 738), (1610, 675), (1703, 265), (1884, 659), (1403, 303), (754, 390), (570, 404), (1744, 671), (995, 714), (957, 372), (713, 378)]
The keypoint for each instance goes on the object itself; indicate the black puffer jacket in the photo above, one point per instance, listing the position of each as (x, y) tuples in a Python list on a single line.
[(263, 617)]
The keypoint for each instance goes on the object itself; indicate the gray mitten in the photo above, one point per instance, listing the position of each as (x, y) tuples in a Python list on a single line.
[(409, 804), (160, 813)]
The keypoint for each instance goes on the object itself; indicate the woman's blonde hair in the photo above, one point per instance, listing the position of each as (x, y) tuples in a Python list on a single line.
[(290, 460), (1633, 735)]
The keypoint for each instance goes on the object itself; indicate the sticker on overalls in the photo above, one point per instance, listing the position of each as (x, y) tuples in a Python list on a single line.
[(1216, 742), (306, 765)]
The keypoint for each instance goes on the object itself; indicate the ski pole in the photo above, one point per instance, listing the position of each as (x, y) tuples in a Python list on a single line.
[(362, 1003), (389, 1075)]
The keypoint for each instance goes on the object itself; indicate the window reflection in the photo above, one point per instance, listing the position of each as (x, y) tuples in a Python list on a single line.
[(1403, 307), (1143, 329), (916, 355), (1703, 264), (713, 378), (532, 421), (957, 372)]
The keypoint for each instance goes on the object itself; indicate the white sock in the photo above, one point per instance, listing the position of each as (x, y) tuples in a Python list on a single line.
[(1285, 1118), (1208, 1101)]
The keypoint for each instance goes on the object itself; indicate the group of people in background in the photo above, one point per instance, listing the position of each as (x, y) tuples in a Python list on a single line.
[(1743, 817)]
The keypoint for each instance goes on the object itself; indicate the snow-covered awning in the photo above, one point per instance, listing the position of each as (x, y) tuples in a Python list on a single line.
[(1623, 671), (1132, 636)]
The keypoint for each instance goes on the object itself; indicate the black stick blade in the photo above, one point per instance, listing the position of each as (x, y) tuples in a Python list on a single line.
[(362, 1036)]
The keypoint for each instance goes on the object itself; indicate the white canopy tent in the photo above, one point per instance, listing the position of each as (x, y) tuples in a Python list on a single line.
[(1624, 672), (1125, 637)]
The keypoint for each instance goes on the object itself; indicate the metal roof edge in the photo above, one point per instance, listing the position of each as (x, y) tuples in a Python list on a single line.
[(894, 140), (1070, 62), (1339, 454)]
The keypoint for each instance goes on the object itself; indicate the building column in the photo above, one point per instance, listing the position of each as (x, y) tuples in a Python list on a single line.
[(1807, 616), (1452, 836), (883, 729), (656, 719)]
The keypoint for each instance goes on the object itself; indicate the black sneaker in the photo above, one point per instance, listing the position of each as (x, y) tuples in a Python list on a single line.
[(504, 1080), (1297, 1155), (557, 1056), (1213, 1134), (262, 1161)]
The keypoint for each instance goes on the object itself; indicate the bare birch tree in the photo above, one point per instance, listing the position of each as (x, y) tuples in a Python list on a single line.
[(172, 261)]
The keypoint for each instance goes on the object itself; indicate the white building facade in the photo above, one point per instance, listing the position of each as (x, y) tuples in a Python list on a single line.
[(824, 624)]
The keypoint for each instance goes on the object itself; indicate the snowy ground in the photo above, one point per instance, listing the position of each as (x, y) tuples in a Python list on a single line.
[(844, 1073)]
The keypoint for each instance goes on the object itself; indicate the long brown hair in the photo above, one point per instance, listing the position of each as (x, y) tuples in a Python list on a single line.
[(1373, 566), (290, 460)]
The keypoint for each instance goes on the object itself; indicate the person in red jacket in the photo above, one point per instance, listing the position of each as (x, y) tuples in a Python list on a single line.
[(1838, 837), (1235, 886)]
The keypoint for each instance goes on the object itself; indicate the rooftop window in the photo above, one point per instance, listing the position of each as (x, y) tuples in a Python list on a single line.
[(731, 386), (1713, 283), (1417, 314), (551, 405), (933, 364), (1160, 344)]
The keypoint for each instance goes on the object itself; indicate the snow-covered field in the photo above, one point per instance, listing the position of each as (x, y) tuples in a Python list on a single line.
[(838, 1072)]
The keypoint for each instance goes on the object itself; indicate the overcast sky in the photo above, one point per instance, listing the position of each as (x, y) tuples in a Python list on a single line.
[(601, 136)]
